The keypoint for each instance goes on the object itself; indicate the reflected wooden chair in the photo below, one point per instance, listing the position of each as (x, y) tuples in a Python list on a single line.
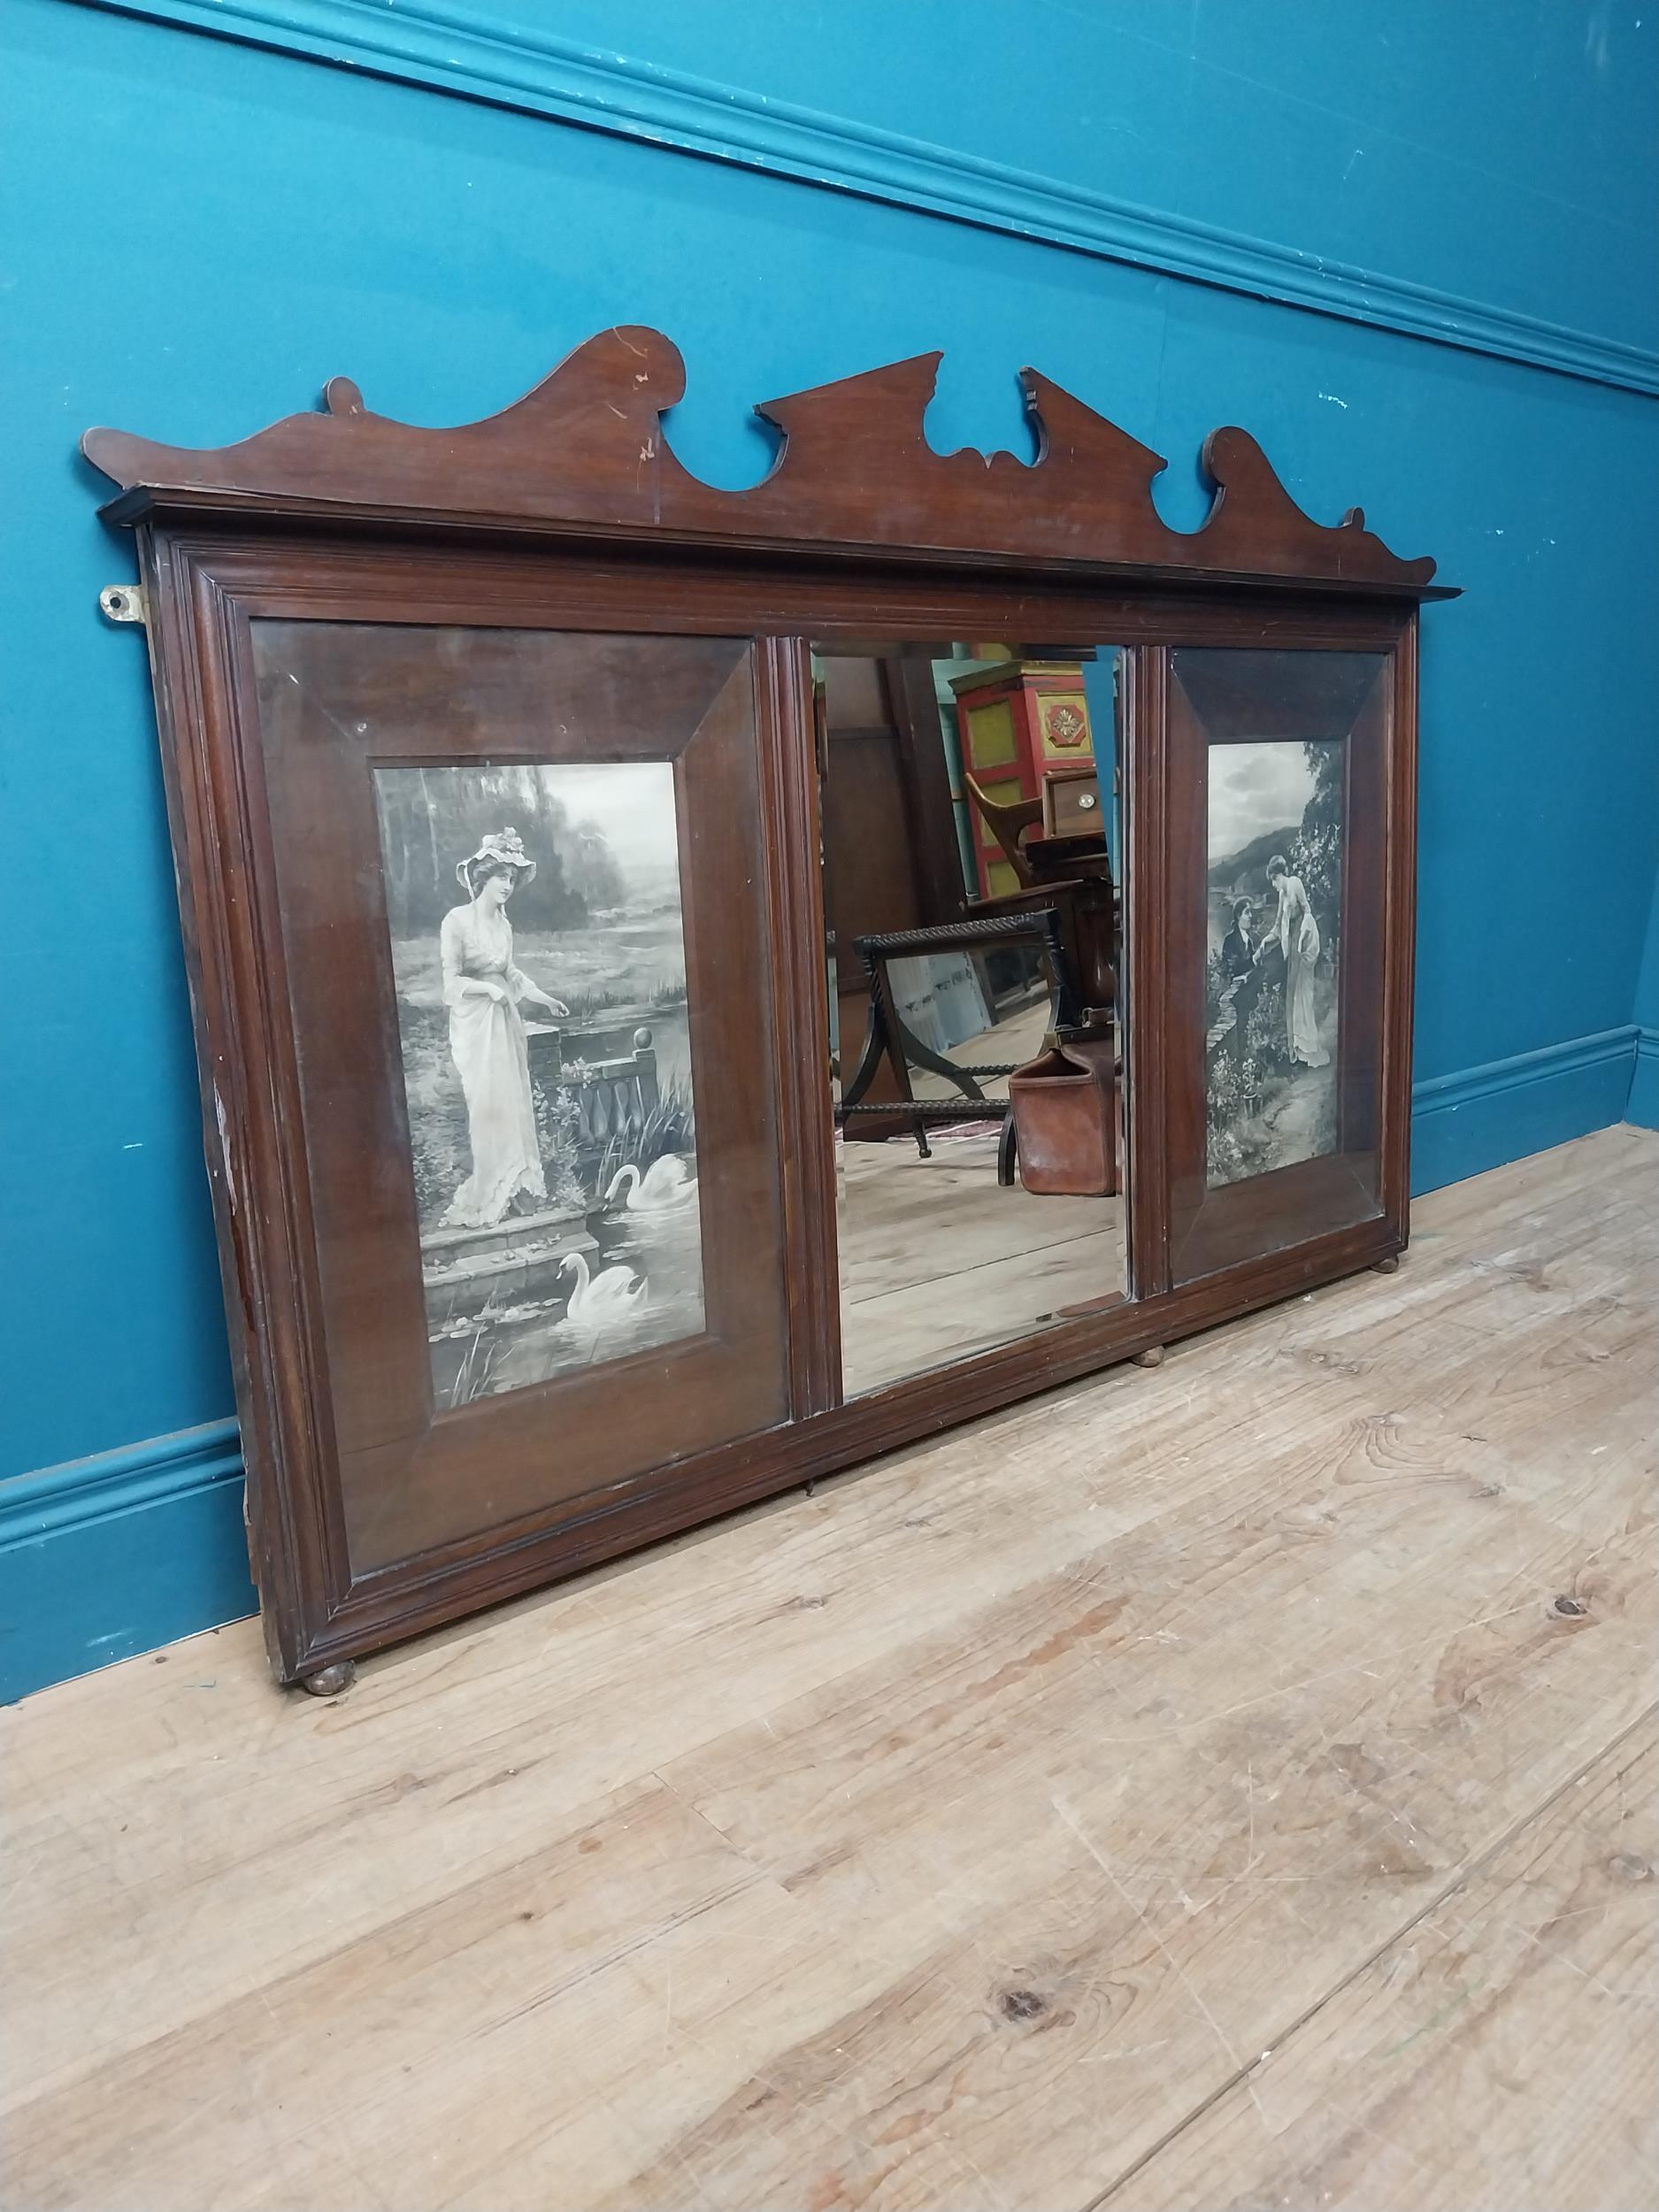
[(1073, 875), (1008, 821), (888, 1038)]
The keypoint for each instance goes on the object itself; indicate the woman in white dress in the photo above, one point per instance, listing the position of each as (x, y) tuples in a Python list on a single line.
[(1297, 934), (483, 990)]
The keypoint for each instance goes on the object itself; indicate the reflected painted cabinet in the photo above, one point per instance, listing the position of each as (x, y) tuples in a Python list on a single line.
[(678, 1013), (1020, 720)]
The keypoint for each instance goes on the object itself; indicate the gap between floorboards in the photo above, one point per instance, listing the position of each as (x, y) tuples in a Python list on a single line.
[(1276, 2040)]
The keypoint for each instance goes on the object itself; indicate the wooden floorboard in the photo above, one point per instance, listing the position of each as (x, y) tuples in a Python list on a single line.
[(939, 1259), (1503, 2050), (1227, 1785)]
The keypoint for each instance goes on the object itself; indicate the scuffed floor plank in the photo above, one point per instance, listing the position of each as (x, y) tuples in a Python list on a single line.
[(957, 1837), (1504, 2050)]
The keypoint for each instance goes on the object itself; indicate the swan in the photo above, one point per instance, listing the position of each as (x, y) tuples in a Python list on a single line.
[(665, 1184), (607, 1296)]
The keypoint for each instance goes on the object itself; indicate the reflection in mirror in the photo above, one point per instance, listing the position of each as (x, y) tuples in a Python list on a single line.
[(971, 845)]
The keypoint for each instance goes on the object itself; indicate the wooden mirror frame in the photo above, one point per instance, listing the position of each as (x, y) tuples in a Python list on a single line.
[(569, 511)]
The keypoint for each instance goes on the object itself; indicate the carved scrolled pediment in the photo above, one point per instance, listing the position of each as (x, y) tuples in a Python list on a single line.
[(584, 451)]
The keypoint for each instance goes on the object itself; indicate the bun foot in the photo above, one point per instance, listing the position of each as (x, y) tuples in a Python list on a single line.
[(329, 1681), (1152, 1356), (1390, 1266)]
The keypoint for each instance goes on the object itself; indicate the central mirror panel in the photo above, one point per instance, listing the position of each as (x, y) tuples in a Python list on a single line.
[(971, 854)]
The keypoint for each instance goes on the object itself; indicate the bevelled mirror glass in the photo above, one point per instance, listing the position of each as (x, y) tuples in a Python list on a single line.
[(972, 856)]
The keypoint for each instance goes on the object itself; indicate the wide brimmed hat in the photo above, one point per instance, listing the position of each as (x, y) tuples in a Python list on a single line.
[(503, 849)]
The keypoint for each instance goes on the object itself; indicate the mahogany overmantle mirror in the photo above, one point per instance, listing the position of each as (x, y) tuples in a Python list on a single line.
[(694, 989)]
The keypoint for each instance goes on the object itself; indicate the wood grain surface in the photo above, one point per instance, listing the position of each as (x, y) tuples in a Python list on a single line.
[(1223, 1785), (586, 449), (318, 1403)]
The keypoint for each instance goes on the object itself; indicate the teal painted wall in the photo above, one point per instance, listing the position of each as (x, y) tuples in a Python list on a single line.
[(202, 231), (1643, 1105), (1501, 150)]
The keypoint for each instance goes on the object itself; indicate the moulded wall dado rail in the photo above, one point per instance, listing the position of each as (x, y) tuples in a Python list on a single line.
[(534, 69)]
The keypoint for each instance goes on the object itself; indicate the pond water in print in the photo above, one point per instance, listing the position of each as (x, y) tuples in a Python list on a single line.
[(634, 1281)]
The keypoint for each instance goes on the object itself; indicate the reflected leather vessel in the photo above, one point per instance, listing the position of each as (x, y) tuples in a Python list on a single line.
[(1063, 1110)]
